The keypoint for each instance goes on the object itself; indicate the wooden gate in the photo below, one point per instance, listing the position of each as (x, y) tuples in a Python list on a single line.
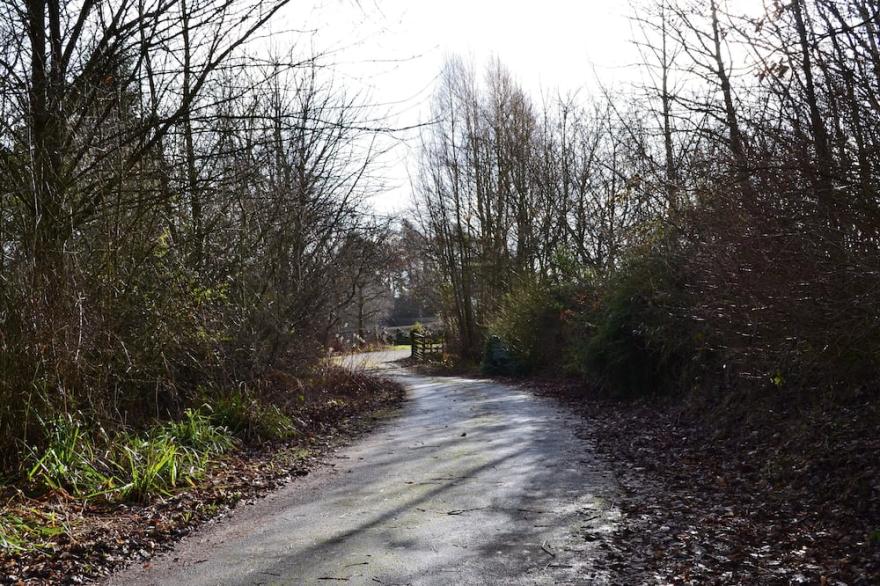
[(427, 347)]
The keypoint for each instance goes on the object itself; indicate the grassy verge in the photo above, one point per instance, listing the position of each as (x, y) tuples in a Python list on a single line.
[(91, 500), (89, 464)]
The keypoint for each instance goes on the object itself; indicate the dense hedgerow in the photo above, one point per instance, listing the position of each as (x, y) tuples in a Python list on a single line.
[(630, 333), (637, 341), (527, 334)]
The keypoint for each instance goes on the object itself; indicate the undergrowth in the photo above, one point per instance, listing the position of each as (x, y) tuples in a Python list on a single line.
[(29, 530), (251, 419), (82, 460), (79, 462), (626, 333), (88, 463), (70, 461)]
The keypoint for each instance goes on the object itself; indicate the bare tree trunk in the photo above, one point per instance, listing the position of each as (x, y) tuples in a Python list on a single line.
[(671, 179), (737, 146), (192, 180), (824, 166)]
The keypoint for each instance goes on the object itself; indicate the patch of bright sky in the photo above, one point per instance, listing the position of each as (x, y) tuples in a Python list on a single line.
[(393, 50)]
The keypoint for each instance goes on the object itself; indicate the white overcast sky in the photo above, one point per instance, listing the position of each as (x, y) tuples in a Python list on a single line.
[(393, 51)]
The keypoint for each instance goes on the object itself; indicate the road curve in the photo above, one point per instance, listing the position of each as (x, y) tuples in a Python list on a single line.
[(473, 482), (382, 360)]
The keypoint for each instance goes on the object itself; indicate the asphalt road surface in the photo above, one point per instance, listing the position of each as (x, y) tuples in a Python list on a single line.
[(473, 482)]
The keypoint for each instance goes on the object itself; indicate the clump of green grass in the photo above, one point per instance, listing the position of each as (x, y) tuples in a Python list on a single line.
[(251, 419), (132, 466), (69, 462), (13, 533), (169, 455), (29, 530), (197, 432), (153, 466)]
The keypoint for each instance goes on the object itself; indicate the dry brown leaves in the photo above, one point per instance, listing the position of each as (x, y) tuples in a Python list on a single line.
[(780, 496)]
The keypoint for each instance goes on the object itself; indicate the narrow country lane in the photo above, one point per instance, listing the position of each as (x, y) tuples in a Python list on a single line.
[(473, 482)]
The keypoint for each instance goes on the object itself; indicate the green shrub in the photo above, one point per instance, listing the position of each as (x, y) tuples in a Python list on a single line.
[(402, 338), (637, 342), (529, 325), (630, 332), (150, 466), (498, 359), (250, 419)]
